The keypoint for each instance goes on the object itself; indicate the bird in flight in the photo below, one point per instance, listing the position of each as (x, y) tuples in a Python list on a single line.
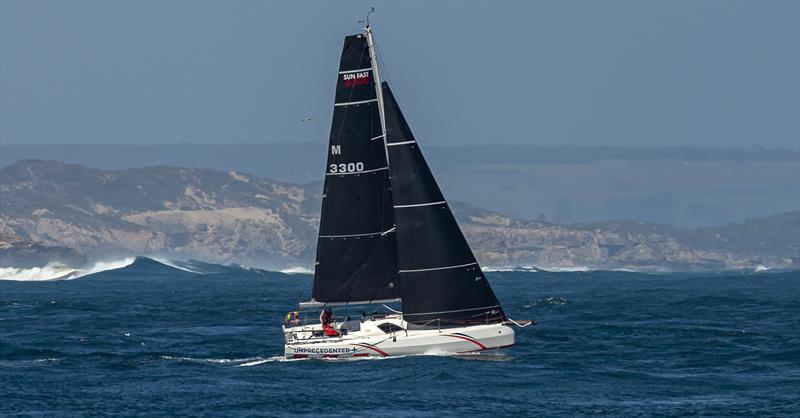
[(307, 119)]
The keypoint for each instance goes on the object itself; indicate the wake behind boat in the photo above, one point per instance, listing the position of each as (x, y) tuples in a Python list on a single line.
[(387, 236)]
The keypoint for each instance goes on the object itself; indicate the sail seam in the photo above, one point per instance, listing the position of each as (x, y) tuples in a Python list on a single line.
[(391, 144), (355, 71), (419, 204), (355, 103), (439, 268), (357, 172)]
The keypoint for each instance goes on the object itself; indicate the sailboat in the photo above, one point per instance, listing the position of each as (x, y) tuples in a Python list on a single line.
[(387, 237)]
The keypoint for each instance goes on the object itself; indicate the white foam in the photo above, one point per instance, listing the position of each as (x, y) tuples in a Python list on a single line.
[(438, 352), (176, 265), (257, 361), (202, 360), (24, 363), (237, 362), (274, 359), (51, 271), (534, 269), (108, 265), (57, 271), (552, 300), (567, 269), (490, 269), (297, 270)]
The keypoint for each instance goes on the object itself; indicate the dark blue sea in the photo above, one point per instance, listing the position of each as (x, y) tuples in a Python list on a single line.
[(152, 340)]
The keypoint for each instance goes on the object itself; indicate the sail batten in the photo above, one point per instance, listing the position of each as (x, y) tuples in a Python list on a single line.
[(355, 71), (394, 144), (416, 205), (356, 103), (357, 172), (438, 268)]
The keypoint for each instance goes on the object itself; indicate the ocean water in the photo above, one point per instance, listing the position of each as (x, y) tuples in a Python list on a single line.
[(154, 340)]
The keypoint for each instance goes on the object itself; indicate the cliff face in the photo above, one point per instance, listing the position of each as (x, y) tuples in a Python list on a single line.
[(773, 241), (17, 252), (205, 214), (235, 217)]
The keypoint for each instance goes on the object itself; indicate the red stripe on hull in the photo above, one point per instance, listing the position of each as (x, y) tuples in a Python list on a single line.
[(483, 347), (299, 355), (375, 349)]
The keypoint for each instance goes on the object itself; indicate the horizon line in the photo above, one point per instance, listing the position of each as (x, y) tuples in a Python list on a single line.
[(750, 148)]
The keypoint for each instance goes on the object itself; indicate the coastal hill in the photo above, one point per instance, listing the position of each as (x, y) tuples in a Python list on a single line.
[(54, 211), (686, 187)]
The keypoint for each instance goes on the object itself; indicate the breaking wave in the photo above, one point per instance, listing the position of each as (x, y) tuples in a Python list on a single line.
[(568, 269), (493, 269), (138, 265), (180, 265), (58, 271), (297, 270)]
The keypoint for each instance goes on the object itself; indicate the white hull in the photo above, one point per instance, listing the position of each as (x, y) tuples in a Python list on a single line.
[(367, 339)]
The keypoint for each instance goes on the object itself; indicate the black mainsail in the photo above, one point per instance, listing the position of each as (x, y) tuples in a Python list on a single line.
[(439, 277), (356, 249)]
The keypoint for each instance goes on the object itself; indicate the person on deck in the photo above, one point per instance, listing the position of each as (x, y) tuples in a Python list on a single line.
[(326, 318), (292, 318)]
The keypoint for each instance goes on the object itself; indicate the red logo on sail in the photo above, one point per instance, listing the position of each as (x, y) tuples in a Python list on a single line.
[(356, 79)]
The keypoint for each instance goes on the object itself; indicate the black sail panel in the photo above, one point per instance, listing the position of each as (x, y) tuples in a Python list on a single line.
[(356, 248), (440, 280)]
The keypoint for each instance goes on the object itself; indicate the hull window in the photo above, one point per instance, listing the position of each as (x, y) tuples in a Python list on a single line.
[(390, 328)]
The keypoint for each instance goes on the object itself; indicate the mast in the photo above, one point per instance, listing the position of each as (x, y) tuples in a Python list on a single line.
[(378, 89)]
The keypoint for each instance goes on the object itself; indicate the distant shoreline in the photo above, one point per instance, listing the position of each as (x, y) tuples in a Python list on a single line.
[(57, 271)]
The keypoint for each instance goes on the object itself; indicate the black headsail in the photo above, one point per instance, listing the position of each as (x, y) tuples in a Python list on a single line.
[(440, 280), (356, 249)]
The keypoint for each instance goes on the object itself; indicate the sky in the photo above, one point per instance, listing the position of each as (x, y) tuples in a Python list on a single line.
[(712, 74)]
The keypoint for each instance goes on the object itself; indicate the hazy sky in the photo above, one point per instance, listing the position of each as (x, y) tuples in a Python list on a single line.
[(623, 73)]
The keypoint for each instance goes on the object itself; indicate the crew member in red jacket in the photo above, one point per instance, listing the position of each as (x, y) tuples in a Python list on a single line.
[(326, 317)]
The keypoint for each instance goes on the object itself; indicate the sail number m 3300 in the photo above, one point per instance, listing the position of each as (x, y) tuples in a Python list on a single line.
[(347, 168)]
